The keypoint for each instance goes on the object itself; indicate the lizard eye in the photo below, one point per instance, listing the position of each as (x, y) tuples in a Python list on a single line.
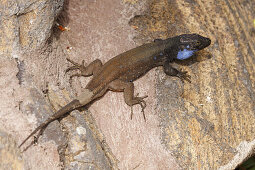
[(182, 47), (197, 43)]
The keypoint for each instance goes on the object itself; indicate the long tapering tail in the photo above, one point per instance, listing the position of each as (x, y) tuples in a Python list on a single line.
[(81, 100), (68, 108)]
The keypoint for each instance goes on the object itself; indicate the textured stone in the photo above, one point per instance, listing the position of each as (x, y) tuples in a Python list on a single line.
[(10, 156), (26, 25), (202, 125)]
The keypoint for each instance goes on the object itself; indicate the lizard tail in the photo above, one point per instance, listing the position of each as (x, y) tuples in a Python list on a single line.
[(81, 100), (67, 108)]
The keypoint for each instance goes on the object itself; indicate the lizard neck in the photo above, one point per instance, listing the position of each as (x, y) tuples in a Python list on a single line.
[(166, 51)]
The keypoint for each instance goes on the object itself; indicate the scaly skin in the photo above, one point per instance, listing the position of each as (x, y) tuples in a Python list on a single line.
[(119, 72)]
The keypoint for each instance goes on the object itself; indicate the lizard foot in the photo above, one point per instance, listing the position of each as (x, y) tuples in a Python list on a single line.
[(76, 66), (142, 103), (184, 76)]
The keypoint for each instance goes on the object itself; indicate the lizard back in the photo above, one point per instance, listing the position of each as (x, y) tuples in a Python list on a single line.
[(128, 66)]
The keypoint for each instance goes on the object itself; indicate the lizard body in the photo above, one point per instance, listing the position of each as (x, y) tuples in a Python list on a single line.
[(119, 72)]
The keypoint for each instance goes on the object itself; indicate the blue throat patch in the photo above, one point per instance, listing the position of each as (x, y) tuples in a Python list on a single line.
[(182, 55)]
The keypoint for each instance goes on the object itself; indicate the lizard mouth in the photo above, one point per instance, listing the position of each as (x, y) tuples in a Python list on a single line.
[(205, 42)]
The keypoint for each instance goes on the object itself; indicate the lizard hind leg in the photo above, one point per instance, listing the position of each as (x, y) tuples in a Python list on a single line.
[(128, 89), (85, 71)]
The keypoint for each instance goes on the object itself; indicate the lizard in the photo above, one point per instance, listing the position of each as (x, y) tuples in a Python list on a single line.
[(118, 73)]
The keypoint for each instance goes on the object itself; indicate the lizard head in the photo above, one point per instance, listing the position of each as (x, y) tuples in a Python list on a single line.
[(190, 43)]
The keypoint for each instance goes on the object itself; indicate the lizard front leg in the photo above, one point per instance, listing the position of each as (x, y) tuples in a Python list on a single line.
[(128, 89), (169, 70), (85, 71)]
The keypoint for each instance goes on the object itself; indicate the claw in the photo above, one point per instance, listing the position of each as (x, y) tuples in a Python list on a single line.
[(71, 68), (143, 105), (75, 66), (184, 76), (75, 75), (131, 116), (71, 61)]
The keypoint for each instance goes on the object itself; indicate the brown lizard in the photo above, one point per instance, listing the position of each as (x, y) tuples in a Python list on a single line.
[(119, 72)]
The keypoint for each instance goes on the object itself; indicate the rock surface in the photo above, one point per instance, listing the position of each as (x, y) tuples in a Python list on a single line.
[(10, 156), (206, 124)]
